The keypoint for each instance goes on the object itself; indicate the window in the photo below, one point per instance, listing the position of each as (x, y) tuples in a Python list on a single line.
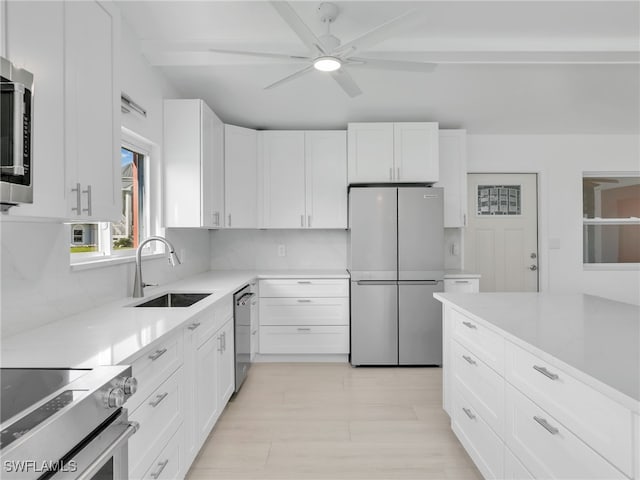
[(116, 239), (498, 200), (611, 218)]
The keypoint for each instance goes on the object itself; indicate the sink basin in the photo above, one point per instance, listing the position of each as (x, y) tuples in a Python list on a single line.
[(174, 300)]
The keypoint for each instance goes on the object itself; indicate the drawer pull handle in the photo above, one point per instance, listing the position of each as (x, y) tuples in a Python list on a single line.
[(254, 332), (545, 372), (304, 282), (304, 329), (157, 354), (469, 360), (461, 281), (159, 399), (469, 414), (469, 325), (162, 466), (549, 428), (303, 300), (194, 325)]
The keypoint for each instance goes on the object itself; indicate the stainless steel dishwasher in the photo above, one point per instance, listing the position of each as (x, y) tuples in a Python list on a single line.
[(242, 325)]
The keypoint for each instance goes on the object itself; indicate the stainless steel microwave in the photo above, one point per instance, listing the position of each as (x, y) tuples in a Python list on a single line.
[(16, 112)]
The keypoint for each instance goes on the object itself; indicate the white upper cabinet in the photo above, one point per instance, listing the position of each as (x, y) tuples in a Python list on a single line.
[(240, 177), (92, 111), (393, 152), (326, 178), (304, 179), (72, 48), (453, 176), (283, 179), (193, 165)]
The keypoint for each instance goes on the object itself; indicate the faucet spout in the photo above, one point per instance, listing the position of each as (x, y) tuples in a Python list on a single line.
[(138, 284)]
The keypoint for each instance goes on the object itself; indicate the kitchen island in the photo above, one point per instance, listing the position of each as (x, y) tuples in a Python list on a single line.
[(544, 386)]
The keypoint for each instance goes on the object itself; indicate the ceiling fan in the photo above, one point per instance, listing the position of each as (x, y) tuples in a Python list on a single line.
[(328, 54)]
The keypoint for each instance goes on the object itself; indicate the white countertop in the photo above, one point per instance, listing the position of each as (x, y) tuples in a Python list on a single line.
[(591, 337), (113, 333)]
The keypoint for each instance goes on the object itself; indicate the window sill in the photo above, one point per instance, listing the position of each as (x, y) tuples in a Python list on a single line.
[(90, 263), (596, 267)]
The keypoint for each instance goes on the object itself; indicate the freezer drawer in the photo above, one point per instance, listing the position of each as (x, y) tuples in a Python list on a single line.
[(374, 323), (419, 323)]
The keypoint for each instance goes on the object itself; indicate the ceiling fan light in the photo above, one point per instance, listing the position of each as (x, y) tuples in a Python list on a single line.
[(327, 64)]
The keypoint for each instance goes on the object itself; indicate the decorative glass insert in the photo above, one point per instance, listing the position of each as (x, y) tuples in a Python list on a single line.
[(499, 200)]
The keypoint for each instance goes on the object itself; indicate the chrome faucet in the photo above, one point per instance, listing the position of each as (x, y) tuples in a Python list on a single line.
[(138, 284)]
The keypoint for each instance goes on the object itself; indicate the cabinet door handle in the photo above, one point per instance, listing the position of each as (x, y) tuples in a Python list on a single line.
[(304, 282), (159, 399), (391, 174), (216, 215), (545, 372), (461, 281), (220, 343), (229, 219), (301, 329), (161, 467), (304, 300), (549, 428), (469, 325), (468, 412), (398, 177), (157, 354), (309, 221), (254, 332), (194, 325), (78, 207), (224, 341), (88, 192), (469, 360), (302, 220)]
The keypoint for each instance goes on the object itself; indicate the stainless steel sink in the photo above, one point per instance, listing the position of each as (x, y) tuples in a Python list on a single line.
[(174, 299)]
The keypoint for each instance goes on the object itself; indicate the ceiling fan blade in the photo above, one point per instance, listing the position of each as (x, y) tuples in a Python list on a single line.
[(305, 34), (402, 65), (283, 56), (346, 82), (288, 78), (378, 34)]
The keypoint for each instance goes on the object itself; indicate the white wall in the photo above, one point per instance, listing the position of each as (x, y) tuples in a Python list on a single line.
[(258, 249), (37, 283), (560, 161)]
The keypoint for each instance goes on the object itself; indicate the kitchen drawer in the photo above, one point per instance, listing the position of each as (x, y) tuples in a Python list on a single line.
[(210, 321), (546, 447), (461, 285), (315, 339), (159, 415), (169, 463), (154, 366), (304, 288), (485, 343), (513, 468), (304, 311), (482, 387), (600, 422), (482, 444)]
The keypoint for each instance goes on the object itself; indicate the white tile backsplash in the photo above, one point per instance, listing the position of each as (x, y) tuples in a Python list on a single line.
[(258, 249)]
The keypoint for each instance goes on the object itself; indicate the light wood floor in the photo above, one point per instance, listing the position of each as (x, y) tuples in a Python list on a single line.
[(332, 421)]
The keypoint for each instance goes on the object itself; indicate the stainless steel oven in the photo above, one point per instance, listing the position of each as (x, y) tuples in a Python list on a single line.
[(65, 423), (16, 112)]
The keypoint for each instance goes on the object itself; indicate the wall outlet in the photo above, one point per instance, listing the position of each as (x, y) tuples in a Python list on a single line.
[(282, 251)]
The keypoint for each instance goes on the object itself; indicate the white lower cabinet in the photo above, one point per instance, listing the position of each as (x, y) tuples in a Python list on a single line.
[(513, 468), (546, 447), (304, 316), (168, 463)]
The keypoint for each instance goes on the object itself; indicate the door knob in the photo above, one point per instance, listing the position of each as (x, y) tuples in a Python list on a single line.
[(533, 255), (533, 268)]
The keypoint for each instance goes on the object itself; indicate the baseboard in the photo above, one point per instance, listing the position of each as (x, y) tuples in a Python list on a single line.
[(301, 358)]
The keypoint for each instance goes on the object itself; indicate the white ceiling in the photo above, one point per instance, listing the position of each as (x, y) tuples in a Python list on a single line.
[(504, 66)]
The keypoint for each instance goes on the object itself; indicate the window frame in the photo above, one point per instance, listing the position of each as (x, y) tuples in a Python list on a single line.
[(605, 221)]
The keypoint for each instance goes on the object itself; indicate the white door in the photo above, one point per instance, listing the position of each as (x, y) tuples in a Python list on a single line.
[(501, 238), (326, 172), (370, 152), (241, 177), (283, 170), (415, 152)]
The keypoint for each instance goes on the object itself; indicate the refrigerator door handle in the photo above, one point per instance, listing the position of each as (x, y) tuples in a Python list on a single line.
[(376, 282), (419, 282)]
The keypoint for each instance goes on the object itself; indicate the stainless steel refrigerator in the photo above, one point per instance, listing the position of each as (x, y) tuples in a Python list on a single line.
[(396, 264)]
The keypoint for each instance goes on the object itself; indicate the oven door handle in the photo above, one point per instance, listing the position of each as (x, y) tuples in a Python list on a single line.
[(97, 464)]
